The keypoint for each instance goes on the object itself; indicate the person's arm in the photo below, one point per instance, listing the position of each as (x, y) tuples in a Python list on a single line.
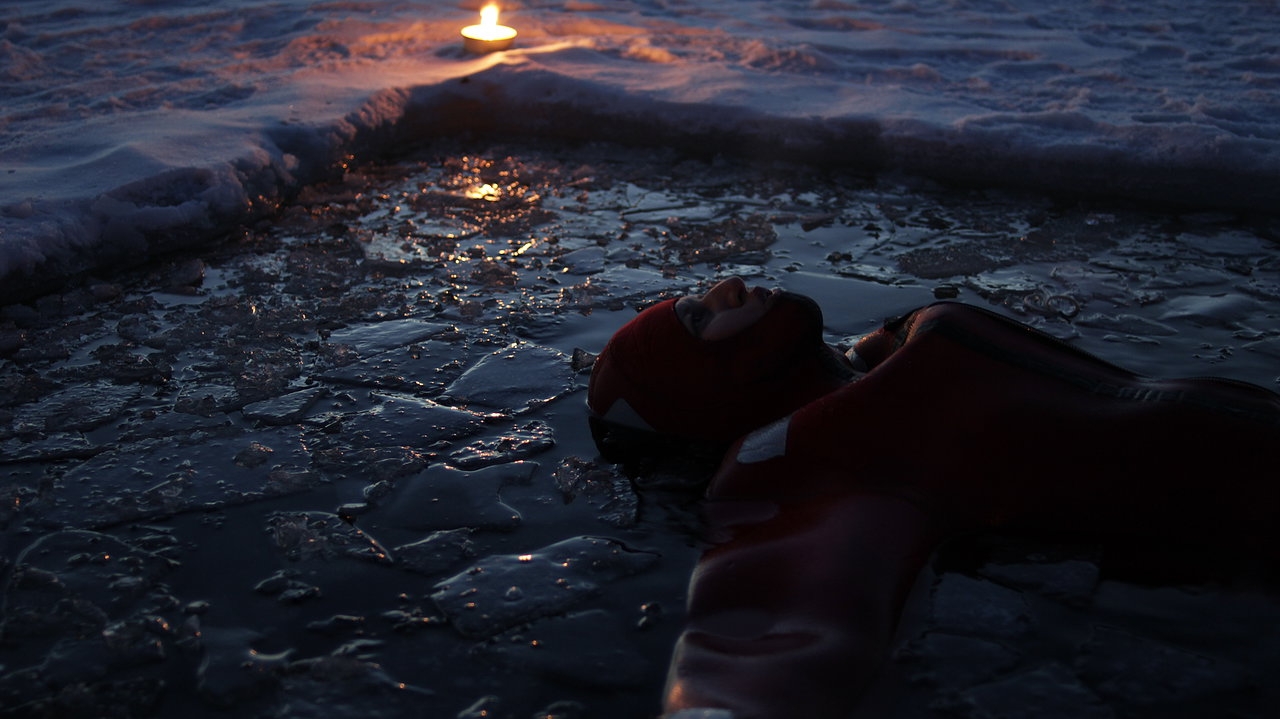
[(792, 616)]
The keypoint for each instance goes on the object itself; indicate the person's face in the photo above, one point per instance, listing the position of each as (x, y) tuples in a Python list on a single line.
[(725, 310)]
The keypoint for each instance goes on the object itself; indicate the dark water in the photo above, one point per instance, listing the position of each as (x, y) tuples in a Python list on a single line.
[(259, 480)]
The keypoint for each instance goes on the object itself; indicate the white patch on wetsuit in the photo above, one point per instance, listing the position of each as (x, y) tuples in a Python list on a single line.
[(765, 443), (624, 414)]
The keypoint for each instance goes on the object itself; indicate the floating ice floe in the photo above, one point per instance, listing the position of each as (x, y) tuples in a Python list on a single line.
[(952, 661), (425, 367), (1135, 671), (1070, 580), (93, 605), (301, 536), (442, 497), (589, 649), (1051, 691), (520, 442), (78, 408), (374, 338), (396, 420), (162, 477), (604, 487), (502, 591), (514, 379), (437, 552), (967, 605), (285, 409)]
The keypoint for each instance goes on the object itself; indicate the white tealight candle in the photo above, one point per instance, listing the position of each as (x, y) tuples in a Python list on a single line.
[(488, 36)]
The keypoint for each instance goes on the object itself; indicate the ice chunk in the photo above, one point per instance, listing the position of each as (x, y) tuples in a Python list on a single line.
[(426, 367), (436, 552), (1048, 692), (584, 261), (949, 661), (286, 409), (971, 606), (307, 535), (1136, 671), (161, 477), (78, 408), (374, 338), (590, 649), (605, 488), (515, 378), (520, 442), (442, 497), (346, 687), (502, 591), (403, 421), (1072, 580), (231, 671), (79, 603)]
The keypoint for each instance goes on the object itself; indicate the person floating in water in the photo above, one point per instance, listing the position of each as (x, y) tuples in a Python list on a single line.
[(843, 472)]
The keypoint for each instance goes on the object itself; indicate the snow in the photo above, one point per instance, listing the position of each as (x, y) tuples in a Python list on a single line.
[(130, 128)]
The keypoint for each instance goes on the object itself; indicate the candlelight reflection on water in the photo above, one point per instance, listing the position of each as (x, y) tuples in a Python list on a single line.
[(488, 191)]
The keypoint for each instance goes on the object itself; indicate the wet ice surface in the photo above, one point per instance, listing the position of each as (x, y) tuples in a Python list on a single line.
[(340, 466)]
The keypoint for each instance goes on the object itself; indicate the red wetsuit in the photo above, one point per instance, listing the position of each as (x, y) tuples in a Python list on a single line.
[(965, 420)]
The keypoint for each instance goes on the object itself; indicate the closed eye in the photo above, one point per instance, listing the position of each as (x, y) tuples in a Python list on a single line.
[(693, 315)]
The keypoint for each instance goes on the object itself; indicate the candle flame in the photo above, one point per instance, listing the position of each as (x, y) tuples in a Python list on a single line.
[(497, 36)]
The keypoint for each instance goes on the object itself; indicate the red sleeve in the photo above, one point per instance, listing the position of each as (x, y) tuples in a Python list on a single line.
[(794, 614)]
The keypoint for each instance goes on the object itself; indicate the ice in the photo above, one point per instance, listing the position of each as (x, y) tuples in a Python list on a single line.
[(520, 442), (161, 477), (1126, 324), (378, 337), (604, 487), (52, 446), (952, 661), (443, 497), (427, 367), (303, 536), (347, 687), (286, 409), (1155, 100), (1134, 671), (584, 261), (514, 379), (231, 671), (591, 649), (84, 568), (500, 592), (965, 605), (1051, 691), (437, 552), (90, 602), (404, 420), (78, 409), (1070, 580), (312, 387), (617, 285)]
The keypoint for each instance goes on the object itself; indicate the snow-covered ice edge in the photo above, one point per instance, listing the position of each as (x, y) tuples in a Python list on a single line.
[(188, 185)]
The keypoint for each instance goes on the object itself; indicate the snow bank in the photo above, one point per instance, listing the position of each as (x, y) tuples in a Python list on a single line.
[(130, 130)]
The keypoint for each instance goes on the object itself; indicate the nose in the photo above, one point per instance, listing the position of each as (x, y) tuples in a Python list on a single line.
[(726, 294)]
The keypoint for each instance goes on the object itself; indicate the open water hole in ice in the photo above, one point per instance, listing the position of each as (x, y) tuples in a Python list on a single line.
[(338, 465)]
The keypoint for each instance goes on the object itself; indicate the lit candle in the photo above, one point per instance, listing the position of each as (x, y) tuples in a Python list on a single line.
[(488, 36)]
